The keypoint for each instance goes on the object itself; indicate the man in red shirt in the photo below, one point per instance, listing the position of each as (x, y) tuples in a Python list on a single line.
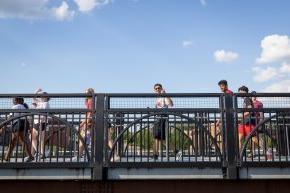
[(215, 129), (223, 84)]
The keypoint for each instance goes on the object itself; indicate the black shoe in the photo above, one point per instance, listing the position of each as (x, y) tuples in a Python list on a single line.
[(155, 156)]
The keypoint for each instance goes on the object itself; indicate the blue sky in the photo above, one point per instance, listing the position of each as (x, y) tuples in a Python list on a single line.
[(128, 45)]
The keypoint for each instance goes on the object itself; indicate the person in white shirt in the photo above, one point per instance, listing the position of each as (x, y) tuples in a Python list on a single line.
[(19, 130), (39, 126), (159, 126)]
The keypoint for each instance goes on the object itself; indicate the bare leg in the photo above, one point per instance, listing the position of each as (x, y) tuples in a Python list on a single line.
[(26, 144), (241, 141), (12, 145), (34, 140), (155, 149), (42, 143), (110, 137), (81, 148)]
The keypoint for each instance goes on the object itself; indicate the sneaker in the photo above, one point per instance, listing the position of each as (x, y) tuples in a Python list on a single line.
[(46, 153), (179, 155), (77, 158), (155, 157), (74, 158), (42, 156), (28, 159), (36, 156)]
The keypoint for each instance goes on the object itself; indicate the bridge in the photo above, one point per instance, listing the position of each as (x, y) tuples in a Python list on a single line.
[(201, 140)]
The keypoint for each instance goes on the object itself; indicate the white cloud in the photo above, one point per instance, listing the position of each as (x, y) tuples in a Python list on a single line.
[(187, 43), (88, 5), (203, 2), (274, 48), (62, 12), (42, 9), (281, 86), (270, 73), (29, 9), (276, 51), (263, 75), (285, 68), (33, 9), (225, 56)]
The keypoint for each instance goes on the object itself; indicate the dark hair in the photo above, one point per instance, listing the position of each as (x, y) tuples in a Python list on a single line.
[(244, 88), (254, 93), (45, 93), (158, 84), (26, 105), (223, 82), (18, 100)]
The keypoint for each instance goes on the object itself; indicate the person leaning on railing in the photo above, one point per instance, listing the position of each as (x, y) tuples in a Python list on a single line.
[(19, 130), (259, 115), (258, 105), (86, 125), (160, 125)]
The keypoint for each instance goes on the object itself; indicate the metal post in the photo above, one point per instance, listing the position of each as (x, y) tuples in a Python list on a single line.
[(98, 170), (287, 139), (167, 137), (230, 136)]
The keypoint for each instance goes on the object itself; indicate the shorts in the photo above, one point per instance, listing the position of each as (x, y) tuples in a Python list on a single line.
[(245, 129), (40, 126), (20, 125), (86, 135), (159, 129)]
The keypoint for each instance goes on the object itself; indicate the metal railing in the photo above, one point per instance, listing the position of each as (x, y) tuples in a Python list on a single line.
[(189, 135), (126, 130)]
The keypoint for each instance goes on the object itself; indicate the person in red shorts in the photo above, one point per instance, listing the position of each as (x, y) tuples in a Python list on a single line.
[(248, 118)]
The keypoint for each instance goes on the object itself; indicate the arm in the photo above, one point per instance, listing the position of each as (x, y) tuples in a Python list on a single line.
[(261, 113), (246, 114), (168, 101), (248, 105), (11, 114)]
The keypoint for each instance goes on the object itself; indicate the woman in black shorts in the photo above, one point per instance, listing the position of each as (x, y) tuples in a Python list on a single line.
[(160, 125), (19, 131)]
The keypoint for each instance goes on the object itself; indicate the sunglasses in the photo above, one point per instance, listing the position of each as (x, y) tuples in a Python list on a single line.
[(157, 88)]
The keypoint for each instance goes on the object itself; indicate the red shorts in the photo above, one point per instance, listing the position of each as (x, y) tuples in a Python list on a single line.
[(245, 129)]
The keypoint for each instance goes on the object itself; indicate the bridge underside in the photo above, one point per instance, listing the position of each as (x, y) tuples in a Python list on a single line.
[(145, 186), (206, 173)]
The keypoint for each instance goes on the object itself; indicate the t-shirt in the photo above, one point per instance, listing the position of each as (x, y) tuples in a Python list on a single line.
[(248, 104), (18, 107), (257, 105), (41, 105), (161, 103), (229, 92), (89, 105)]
